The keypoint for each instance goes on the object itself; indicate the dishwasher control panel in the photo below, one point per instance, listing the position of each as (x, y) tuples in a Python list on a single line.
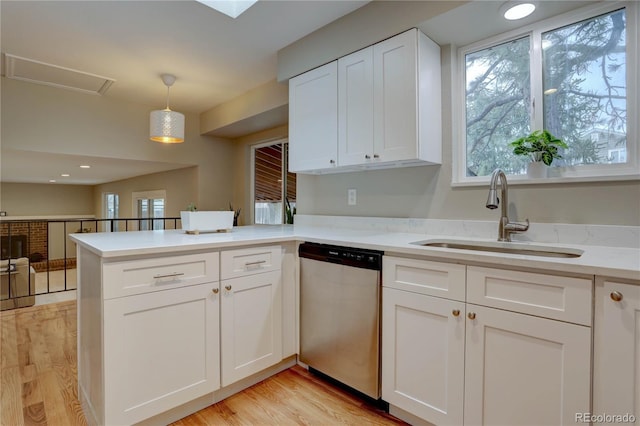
[(356, 257)]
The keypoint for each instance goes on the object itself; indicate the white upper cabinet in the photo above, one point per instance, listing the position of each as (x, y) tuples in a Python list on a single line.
[(313, 119), (355, 107), (407, 98), (388, 109)]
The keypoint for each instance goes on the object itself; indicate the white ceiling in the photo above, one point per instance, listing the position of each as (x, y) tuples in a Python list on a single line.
[(214, 57), (43, 166)]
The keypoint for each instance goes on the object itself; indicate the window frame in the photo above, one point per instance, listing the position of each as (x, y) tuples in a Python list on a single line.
[(585, 173), (106, 227), (252, 184)]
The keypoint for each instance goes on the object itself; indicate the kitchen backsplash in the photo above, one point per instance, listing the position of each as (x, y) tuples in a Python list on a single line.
[(560, 233)]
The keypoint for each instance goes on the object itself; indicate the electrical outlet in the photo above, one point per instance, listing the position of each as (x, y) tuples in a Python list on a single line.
[(351, 197)]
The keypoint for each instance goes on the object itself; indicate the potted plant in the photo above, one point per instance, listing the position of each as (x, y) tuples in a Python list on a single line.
[(236, 214), (541, 147)]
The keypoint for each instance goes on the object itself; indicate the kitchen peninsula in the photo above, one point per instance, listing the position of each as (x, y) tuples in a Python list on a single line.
[(167, 321)]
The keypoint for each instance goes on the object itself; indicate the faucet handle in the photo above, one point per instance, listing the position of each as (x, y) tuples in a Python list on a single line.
[(517, 226)]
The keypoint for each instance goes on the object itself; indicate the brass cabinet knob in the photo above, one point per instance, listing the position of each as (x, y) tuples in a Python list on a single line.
[(616, 296), (472, 315), (228, 287), (215, 291), (456, 312)]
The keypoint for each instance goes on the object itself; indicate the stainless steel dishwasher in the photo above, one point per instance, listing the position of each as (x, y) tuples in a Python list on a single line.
[(340, 298)]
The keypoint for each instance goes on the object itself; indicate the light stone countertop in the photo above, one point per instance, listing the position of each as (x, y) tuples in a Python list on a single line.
[(615, 262)]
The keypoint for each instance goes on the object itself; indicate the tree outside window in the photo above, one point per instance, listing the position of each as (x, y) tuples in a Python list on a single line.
[(582, 79)]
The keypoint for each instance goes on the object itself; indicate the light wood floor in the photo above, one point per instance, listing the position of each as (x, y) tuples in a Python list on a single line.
[(39, 386)]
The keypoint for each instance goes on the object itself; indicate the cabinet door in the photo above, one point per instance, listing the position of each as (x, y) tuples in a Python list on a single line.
[(616, 370), (423, 355), (524, 370), (161, 350), (355, 108), (395, 97), (251, 325), (313, 119)]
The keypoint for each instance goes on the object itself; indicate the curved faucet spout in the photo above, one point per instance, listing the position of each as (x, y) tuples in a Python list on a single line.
[(492, 199), (505, 228)]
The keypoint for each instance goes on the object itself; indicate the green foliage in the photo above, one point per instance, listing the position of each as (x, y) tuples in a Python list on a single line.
[(192, 207), (289, 212), (236, 214), (584, 77), (539, 145)]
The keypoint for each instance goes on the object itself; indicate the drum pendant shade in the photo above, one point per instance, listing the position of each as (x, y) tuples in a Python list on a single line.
[(166, 126)]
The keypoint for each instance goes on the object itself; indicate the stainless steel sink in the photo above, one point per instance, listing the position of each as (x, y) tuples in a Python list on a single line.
[(512, 248)]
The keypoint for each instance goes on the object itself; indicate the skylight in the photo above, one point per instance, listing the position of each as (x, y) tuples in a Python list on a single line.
[(232, 8)]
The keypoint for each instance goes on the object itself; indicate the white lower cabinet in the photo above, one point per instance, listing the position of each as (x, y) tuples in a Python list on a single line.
[(452, 363), (423, 343), (161, 350), (251, 325), (616, 370), (524, 370)]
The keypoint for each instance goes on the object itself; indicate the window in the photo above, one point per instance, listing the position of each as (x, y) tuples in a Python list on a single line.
[(149, 207), (572, 75), (270, 181), (111, 204)]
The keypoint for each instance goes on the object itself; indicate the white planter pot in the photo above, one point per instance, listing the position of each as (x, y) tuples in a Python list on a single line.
[(537, 170), (212, 221)]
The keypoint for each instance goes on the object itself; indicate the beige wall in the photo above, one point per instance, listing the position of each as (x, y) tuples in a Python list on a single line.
[(426, 192), (181, 188), (371, 23), (48, 119), (30, 199)]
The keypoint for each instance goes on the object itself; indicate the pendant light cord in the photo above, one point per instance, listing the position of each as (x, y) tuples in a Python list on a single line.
[(168, 87)]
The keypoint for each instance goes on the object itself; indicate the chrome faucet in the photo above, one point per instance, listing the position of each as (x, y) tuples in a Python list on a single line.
[(505, 228)]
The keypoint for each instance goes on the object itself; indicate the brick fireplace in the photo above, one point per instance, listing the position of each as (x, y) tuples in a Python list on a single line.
[(24, 239)]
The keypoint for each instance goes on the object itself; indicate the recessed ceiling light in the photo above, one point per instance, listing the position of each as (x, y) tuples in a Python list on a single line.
[(52, 180), (514, 10), (232, 8), (65, 175), (84, 166)]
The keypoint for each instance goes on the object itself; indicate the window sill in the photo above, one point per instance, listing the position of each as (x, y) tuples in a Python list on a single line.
[(524, 180)]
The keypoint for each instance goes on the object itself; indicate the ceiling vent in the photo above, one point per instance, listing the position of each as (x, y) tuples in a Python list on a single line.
[(37, 72)]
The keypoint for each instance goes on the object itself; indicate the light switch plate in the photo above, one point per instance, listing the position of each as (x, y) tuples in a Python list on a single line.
[(351, 197)]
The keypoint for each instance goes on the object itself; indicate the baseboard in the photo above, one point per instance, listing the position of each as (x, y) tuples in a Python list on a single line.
[(198, 404), (408, 417)]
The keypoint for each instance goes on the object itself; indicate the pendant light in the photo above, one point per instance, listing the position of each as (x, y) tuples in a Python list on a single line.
[(166, 126)]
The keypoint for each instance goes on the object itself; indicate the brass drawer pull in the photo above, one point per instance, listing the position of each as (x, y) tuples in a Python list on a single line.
[(259, 262), (472, 315), (456, 312), (227, 287), (215, 291)]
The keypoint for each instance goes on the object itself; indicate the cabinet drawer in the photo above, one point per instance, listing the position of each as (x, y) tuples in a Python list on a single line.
[(549, 296), (161, 273), (424, 277), (249, 261)]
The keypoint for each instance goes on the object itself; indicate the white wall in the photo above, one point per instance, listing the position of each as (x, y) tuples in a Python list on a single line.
[(30, 199), (181, 188), (47, 119)]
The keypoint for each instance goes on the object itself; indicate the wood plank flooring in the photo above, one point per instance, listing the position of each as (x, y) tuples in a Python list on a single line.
[(38, 384)]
